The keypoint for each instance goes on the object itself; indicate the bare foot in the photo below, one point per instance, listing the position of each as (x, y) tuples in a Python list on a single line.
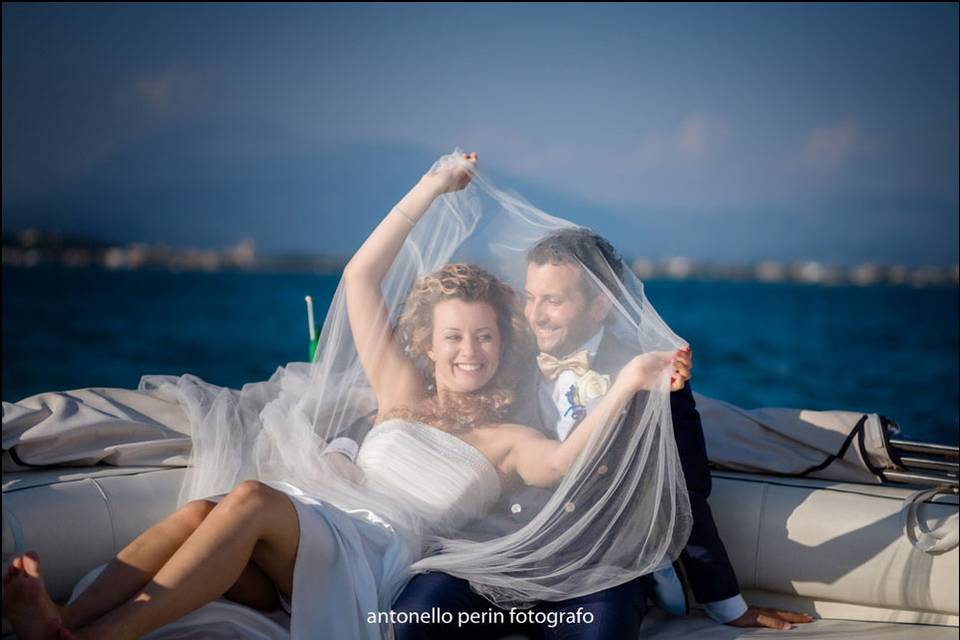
[(26, 602), (64, 633)]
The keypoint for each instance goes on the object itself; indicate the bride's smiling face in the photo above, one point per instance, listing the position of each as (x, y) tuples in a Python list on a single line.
[(465, 346)]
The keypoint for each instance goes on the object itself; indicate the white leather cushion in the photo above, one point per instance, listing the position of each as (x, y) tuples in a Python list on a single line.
[(78, 524), (845, 544)]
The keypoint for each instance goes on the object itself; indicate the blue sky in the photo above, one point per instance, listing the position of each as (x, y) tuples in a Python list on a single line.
[(723, 133)]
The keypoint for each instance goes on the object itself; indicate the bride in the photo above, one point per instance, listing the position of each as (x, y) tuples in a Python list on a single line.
[(334, 542)]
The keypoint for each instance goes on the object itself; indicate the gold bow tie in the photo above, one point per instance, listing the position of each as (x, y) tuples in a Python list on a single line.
[(551, 367)]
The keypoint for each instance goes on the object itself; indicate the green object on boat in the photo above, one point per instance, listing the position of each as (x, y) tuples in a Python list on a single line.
[(312, 328)]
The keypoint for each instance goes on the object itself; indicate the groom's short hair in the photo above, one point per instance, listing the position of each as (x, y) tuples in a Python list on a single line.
[(579, 246)]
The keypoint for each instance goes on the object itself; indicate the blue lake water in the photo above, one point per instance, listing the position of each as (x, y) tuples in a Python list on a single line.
[(884, 349)]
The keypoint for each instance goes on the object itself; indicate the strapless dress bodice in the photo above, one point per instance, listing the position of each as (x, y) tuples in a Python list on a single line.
[(445, 481)]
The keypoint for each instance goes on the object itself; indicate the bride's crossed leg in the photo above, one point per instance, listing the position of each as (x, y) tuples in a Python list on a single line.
[(245, 547), (137, 563)]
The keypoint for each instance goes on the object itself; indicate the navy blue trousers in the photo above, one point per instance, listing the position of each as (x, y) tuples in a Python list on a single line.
[(617, 612)]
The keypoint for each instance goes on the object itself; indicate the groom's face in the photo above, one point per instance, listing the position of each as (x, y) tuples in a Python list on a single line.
[(560, 315)]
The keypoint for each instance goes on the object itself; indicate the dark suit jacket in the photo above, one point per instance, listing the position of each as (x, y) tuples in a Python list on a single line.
[(704, 559)]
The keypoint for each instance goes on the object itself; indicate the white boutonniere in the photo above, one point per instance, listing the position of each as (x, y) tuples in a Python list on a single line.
[(591, 385)]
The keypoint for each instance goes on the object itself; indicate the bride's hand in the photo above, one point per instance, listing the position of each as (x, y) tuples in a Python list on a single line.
[(452, 177), (643, 372)]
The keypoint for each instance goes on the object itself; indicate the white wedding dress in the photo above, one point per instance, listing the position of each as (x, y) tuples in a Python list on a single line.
[(398, 458), (372, 555)]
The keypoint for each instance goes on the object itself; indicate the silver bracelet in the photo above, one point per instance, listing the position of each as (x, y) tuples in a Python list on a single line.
[(410, 220)]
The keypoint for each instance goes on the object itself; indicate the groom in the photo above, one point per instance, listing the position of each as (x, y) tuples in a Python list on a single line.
[(567, 315)]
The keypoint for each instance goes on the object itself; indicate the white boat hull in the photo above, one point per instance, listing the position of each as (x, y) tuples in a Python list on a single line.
[(835, 550)]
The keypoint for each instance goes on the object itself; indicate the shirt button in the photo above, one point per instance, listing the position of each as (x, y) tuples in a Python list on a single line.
[(515, 508), (569, 507), (603, 469)]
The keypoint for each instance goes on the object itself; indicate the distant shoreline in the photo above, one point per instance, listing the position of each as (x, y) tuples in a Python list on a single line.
[(709, 273), (33, 248)]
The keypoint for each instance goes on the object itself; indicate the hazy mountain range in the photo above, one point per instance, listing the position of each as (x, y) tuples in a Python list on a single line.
[(202, 184)]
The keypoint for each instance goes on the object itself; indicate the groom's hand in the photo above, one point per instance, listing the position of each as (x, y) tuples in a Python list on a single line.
[(770, 618), (681, 369)]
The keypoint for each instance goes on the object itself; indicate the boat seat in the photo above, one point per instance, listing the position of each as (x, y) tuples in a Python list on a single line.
[(658, 625), (77, 518), (835, 550)]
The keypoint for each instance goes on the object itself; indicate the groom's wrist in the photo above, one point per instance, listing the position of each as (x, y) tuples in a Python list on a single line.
[(727, 610)]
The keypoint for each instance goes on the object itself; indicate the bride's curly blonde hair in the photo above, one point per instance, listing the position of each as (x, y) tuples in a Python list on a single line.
[(468, 283)]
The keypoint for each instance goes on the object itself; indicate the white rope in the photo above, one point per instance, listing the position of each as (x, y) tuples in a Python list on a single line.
[(943, 538)]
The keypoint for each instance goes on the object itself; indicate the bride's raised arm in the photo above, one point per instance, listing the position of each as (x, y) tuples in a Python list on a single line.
[(542, 462), (393, 377)]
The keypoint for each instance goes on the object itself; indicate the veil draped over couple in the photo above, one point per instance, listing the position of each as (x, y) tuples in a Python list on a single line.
[(489, 400)]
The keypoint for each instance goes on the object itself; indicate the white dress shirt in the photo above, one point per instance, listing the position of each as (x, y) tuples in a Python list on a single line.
[(553, 393)]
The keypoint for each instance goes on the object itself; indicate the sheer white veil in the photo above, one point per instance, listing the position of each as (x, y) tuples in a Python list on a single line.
[(618, 513)]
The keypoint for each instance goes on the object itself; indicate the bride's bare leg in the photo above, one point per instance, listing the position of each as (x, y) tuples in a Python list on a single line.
[(124, 576), (27, 602), (139, 561), (133, 567), (253, 522)]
